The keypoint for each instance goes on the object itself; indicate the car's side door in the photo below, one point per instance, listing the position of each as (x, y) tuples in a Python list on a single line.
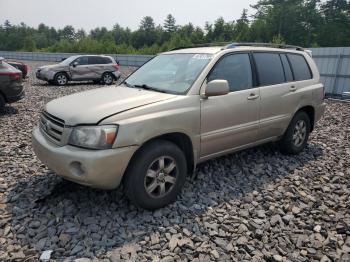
[(79, 68), (230, 121), (278, 91), (97, 66)]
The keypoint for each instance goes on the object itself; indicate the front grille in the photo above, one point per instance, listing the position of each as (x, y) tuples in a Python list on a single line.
[(52, 126)]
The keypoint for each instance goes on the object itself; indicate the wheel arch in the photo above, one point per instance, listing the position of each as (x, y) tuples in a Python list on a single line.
[(109, 72), (181, 140), (310, 111), (62, 72)]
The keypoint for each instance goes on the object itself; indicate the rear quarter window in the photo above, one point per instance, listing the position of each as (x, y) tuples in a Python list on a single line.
[(300, 67), (269, 68), (107, 60), (287, 70)]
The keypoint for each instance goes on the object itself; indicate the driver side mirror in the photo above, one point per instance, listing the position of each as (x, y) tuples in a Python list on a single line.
[(75, 64), (217, 88)]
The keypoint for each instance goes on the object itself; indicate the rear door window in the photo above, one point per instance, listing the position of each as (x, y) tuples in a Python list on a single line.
[(287, 70), (98, 60), (300, 67), (236, 69), (93, 60), (269, 68)]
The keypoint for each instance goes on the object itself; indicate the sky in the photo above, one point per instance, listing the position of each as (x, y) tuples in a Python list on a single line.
[(88, 14)]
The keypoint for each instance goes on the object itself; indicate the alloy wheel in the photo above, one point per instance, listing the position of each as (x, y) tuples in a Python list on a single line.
[(107, 79), (61, 79), (299, 133), (161, 176)]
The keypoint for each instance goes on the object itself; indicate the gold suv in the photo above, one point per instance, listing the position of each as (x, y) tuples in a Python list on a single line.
[(181, 108)]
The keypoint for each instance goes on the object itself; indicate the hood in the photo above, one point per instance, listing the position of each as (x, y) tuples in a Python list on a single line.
[(92, 106), (50, 66)]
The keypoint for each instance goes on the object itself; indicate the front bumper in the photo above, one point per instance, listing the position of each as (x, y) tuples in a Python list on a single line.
[(95, 168), (42, 76)]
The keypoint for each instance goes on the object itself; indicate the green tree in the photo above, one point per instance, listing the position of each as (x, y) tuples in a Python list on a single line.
[(80, 34), (241, 30), (67, 33), (170, 24), (300, 22), (147, 24), (29, 44), (282, 18), (335, 30)]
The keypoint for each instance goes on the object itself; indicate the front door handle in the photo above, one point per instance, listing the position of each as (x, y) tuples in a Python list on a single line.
[(293, 88), (253, 96)]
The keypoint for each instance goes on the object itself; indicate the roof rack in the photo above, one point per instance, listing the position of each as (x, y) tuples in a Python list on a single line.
[(202, 45), (229, 45), (281, 46)]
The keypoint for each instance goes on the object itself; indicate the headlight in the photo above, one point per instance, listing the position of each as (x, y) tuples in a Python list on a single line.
[(94, 137)]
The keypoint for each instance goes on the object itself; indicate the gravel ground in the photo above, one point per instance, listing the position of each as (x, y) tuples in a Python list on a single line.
[(256, 205)]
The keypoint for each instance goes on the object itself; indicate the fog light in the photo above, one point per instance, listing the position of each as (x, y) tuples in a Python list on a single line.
[(77, 168)]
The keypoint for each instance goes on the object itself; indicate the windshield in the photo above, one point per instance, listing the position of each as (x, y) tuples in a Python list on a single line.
[(173, 73), (68, 60)]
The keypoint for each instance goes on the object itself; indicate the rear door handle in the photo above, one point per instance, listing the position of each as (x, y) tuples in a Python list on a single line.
[(293, 89), (253, 96)]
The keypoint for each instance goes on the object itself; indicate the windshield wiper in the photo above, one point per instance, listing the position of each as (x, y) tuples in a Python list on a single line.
[(147, 87)]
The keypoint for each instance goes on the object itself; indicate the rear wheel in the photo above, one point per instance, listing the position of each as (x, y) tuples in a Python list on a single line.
[(297, 134), (107, 78), (61, 79), (156, 175)]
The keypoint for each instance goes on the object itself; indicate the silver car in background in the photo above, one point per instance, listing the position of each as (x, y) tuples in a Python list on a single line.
[(97, 68)]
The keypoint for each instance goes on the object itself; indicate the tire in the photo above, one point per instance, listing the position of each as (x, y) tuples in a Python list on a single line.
[(150, 186), (2, 102), (61, 79), (107, 78), (295, 138)]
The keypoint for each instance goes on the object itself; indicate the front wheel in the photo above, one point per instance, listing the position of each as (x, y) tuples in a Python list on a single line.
[(297, 134), (107, 78), (156, 175), (61, 79)]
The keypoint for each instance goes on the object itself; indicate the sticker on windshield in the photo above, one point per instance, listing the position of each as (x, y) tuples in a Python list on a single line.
[(202, 56)]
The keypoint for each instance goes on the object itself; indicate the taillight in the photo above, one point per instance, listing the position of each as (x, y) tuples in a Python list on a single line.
[(14, 76), (116, 66)]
